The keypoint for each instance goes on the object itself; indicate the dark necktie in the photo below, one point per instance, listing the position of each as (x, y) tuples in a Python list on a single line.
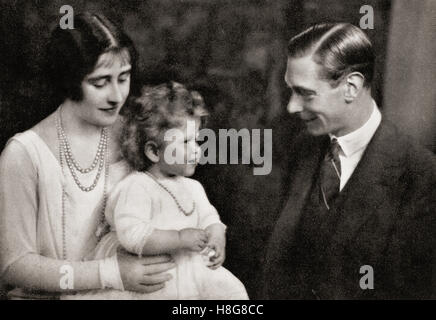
[(330, 174)]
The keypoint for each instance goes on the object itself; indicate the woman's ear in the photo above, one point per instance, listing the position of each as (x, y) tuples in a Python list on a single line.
[(353, 86), (151, 151)]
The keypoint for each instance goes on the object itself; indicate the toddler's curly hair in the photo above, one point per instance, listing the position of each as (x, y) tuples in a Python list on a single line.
[(156, 110)]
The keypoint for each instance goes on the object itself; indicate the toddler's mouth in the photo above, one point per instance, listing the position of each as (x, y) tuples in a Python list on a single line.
[(192, 162)]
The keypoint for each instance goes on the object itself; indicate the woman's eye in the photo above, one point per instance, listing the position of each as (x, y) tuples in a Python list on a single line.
[(124, 78), (99, 83)]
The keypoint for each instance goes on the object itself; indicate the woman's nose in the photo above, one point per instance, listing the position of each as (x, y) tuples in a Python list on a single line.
[(115, 94)]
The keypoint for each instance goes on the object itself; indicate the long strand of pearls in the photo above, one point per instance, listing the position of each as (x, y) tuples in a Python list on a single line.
[(104, 161)]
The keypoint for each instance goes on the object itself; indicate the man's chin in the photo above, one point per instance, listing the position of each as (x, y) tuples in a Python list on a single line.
[(315, 131)]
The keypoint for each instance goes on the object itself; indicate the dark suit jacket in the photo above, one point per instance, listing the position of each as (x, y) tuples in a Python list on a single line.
[(386, 215)]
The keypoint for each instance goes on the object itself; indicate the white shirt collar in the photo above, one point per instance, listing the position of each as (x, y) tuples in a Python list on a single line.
[(359, 139)]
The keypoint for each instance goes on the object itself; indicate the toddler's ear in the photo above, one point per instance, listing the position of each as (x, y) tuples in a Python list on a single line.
[(151, 151)]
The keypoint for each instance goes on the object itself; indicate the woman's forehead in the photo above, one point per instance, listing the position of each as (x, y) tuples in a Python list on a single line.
[(108, 59)]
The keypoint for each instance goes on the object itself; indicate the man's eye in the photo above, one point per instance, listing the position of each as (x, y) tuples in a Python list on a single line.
[(308, 96)]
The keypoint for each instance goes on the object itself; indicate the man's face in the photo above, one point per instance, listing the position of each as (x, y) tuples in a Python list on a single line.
[(320, 106)]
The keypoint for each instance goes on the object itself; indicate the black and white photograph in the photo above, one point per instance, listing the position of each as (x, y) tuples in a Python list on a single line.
[(247, 150)]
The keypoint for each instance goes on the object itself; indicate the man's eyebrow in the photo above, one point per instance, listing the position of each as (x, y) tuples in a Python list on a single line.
[(303, 90)]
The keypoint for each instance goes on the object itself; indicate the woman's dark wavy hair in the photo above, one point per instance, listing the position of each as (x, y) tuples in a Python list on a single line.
[(339, 48), (148, 116), (73, 53)]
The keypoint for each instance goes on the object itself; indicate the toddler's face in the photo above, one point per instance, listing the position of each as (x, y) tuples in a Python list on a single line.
[(180, 155)]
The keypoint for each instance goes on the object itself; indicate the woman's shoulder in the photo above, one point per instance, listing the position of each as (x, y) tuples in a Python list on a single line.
[(31, 141), (46, 130), (41, 130), (23, 150)]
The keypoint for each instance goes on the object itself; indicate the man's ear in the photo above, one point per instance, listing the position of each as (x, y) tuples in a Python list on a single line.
[(151, 151), (353, 86)]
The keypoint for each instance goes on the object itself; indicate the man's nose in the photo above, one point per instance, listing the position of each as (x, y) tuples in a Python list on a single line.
[(295, 104), (115, 94)]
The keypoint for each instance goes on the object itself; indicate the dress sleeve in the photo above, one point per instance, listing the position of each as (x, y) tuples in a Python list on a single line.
[(132, 215), (20, 261), (18, 205), (208, 213)]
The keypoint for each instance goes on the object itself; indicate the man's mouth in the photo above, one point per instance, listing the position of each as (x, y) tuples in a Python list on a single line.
[(309, 119)]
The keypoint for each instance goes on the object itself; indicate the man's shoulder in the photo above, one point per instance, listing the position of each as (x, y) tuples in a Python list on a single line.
[(404, 148), (407, 163)]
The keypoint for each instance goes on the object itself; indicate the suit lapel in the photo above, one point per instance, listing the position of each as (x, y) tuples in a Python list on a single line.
[(302, 181), (366, 192)]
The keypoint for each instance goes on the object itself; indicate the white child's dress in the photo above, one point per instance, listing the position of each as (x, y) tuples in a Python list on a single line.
[(137, 206)]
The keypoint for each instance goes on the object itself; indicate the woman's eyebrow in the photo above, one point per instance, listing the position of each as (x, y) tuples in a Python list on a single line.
[(96, 78), (107, 76), (126, 71)]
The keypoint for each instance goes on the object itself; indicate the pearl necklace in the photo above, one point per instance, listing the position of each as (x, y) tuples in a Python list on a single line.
[(186, 213), (98, 156), (102, 225), (72, 163)]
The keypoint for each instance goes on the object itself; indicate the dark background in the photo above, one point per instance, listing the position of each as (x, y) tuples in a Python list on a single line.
[(233, 52)]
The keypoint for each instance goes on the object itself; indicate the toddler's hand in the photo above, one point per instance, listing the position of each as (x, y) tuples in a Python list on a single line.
[(193, 239), (218, 245)]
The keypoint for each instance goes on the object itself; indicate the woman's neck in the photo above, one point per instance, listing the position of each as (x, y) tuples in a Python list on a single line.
[(75, 125)]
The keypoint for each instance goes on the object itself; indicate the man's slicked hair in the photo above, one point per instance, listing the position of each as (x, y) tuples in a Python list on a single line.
[(339, 48)]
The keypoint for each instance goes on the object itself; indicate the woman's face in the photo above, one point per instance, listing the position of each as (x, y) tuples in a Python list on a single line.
[(105, 89)]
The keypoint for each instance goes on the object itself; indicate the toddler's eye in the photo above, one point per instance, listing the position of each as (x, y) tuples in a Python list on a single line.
[(190, 141)]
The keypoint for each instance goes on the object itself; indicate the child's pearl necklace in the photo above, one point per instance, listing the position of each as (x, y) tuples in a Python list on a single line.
[(186, 213)]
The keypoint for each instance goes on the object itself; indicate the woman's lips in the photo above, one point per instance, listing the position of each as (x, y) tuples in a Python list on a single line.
[(108, 110)]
